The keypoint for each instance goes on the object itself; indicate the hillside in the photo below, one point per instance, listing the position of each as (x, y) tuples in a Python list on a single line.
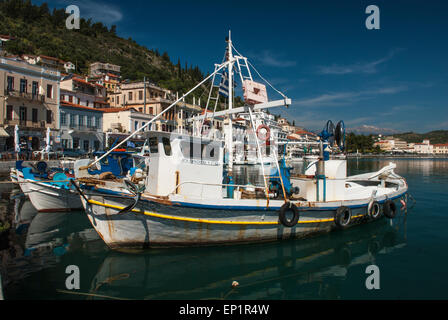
[(438, 136), (41, 32)]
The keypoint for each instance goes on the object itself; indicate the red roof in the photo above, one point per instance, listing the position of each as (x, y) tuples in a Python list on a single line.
[(441, 145), (6, 37), (83, 81), (304, 132), (52, 58), (111, 110)]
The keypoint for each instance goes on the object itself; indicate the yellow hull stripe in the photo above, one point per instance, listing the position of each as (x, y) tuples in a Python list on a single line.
[(164, 216)]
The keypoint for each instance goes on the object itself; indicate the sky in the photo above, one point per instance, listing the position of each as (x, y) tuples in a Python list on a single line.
[(319, 53)]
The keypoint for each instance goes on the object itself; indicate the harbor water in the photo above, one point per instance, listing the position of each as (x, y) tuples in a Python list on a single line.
[(410, 253)]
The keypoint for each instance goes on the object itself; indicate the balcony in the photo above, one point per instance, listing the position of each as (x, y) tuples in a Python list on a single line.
[(23, 124), (26, 95), (83, 128)]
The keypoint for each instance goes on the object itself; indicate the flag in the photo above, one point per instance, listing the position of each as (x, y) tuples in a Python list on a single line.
[(224, 85)]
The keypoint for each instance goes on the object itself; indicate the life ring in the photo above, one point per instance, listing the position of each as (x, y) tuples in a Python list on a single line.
[(282, 215), (268, 132), (374, 210), (389, 209), (342, 217)]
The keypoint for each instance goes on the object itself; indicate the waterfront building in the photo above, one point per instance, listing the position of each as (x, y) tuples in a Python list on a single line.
[(125, 120), (424, 148), (441, 148), (81, 127), (151, 99), (29, 98), (392, 144)]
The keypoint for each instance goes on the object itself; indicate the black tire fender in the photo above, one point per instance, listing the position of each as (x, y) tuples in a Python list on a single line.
[(389, 209), (343, 217), (288, 206)]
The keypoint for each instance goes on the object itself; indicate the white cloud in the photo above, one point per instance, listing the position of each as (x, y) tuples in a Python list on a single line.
[(364, 67), (273, 60), (345, 98)]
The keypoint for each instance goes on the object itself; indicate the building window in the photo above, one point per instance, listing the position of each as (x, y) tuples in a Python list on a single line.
[(35, 88), (10, 83), (98, 122), (49, 116), (135, 125), (9, 112), (49, 91), (22, 113), (89, 122), (81, 121), (140, 95), (23, 84), (70, 99), (72, 121), (86, 145), (63, 119), (130, 96), (96, 145), (34, 115), (118, 100)]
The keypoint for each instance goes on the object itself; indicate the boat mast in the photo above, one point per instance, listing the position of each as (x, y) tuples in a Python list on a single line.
[(230, 127)]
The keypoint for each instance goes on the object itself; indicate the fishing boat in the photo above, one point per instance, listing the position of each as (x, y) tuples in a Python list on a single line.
[(48, 191), (52, 189), (186, 195)]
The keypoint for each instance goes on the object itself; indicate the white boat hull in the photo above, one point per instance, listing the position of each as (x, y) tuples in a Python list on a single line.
[(47, 198), (154, 223)]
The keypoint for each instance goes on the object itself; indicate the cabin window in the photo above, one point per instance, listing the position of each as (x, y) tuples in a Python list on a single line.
[(199, 151), (153, 145), (166, 146)]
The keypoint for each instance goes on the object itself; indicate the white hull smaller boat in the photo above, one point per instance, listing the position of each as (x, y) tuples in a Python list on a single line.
[(47, 198), (48, 195)]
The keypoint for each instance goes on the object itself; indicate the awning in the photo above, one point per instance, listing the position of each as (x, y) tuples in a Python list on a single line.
[(3, 133)]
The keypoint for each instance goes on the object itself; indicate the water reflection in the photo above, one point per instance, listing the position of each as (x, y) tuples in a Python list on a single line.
[(37, 240), (278, 270)]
